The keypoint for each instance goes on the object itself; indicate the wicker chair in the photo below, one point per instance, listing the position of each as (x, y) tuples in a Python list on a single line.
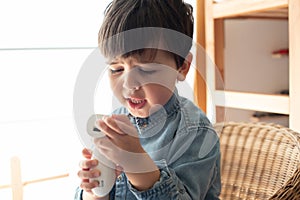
[(259, 161)]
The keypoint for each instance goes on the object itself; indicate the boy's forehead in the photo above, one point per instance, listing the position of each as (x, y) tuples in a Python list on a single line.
[(146, 56)]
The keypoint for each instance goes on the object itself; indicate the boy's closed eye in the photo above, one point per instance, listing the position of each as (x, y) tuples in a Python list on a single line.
[(115, 71), (145, 70), (142, 70)]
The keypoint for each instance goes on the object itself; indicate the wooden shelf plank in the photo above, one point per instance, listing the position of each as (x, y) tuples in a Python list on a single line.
[(294, 61), (252, 101), (281, 13), (238, 8)]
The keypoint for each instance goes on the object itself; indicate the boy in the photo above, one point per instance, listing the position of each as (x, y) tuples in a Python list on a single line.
[(163, 145)]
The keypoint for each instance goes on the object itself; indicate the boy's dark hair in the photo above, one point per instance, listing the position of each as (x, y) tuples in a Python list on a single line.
[(124, 15)]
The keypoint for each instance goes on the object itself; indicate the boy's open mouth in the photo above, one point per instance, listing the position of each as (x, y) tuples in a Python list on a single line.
[(136, 103)]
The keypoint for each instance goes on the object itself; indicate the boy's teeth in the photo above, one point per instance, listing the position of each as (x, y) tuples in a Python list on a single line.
[(136, 101)]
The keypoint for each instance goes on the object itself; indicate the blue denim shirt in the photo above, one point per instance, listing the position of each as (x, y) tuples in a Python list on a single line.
[(185, 147)]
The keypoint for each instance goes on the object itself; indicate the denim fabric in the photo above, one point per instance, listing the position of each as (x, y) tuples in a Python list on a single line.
[(185, 147)]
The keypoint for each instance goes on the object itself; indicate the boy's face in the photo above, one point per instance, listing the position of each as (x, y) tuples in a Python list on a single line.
[(141, 84)]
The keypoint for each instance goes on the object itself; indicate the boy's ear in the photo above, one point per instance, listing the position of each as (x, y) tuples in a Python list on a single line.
[(184, 69)]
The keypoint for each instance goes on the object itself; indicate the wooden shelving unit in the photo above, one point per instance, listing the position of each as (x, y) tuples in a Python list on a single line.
[(212, 21)]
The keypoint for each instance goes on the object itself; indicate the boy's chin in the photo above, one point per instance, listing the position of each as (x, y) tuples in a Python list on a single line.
[(144, 112), (139, 113)]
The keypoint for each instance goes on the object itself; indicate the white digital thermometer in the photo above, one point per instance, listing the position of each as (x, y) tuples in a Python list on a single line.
[(106, 167)]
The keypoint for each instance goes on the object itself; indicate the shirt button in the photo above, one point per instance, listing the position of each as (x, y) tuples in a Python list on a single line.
[(119, 178), (182, 191)]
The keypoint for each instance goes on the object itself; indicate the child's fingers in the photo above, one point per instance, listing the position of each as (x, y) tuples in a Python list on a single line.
[(120, 124), (106, 129), (114, 124), (125, 125), (87, 153), (122, 118), (87, 164), (88, 186), (87, 174)]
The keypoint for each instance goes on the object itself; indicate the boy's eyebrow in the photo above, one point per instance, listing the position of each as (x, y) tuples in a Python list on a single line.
[(146, 61), (151, 61), (113, 62)]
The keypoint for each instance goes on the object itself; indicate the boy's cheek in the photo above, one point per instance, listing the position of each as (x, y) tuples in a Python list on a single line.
[(164, 78), (116, 86)]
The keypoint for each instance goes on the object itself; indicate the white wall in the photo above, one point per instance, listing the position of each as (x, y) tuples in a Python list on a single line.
[(249, 65)]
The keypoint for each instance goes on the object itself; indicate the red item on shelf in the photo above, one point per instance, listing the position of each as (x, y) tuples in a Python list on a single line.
[(279, 53)]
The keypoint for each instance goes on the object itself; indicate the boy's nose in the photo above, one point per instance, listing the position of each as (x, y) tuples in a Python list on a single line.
[(132, 80)]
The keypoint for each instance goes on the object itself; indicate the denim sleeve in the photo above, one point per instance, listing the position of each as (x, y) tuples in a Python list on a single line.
[(190, 177), (78, 194), (168, 187)]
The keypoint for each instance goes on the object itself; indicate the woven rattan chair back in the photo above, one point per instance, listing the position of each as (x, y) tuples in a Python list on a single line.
[(257, 159)]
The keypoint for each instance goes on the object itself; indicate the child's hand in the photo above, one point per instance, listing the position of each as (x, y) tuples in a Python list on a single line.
[(122, 146), (87, 172), (122, 143)]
